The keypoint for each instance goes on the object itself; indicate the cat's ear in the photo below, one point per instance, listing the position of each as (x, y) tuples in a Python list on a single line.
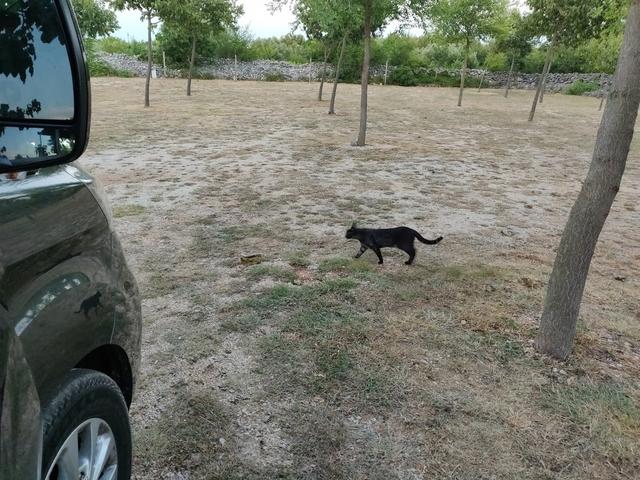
[(353, 225)]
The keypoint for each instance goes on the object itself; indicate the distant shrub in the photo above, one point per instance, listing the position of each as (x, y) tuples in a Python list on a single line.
[(98, 68), (404, 76), (274, 77), (409, 77), (496, 62), (132, 48), (580, 86)]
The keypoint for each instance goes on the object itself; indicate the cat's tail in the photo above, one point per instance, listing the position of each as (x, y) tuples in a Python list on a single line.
[(428, 242)]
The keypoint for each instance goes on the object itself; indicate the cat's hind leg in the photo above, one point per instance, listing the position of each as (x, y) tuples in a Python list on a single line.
[(411, 251), (379, 254), (363, 249)]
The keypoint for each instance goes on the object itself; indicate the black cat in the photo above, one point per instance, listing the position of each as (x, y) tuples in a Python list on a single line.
[(377, 238), (90, 303)]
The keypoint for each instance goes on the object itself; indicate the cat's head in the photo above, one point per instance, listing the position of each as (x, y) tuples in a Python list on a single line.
[(352, 230)]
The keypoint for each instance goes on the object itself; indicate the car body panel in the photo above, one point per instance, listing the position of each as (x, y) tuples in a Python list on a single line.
[(20, 421), (60, 278)]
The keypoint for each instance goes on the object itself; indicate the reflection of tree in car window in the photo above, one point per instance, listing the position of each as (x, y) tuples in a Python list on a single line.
[(35, 75)]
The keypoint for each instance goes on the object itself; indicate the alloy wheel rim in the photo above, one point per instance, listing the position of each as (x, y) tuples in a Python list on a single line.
[(88, 453)]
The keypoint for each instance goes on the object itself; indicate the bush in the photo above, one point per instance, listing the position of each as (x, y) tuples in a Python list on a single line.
[(132, 48), (403, 76), (496, 62), (409, 77), (274, 77), (98, 68), (580, 86)]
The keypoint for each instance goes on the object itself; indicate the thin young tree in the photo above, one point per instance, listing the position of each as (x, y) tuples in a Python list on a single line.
[(466, 21), (149, 13), (320, 21), (313, 16), (364, 78), (336, 79), (589, 213), (515, 42), (567, 23), (198, 19), (375, 14)]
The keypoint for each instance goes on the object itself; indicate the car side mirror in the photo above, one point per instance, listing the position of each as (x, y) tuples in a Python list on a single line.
[(45, 98)]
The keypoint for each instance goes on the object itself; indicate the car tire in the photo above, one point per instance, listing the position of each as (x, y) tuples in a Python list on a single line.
[(85, 419)]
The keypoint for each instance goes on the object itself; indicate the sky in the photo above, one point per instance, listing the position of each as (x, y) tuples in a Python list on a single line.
[(257, 19)]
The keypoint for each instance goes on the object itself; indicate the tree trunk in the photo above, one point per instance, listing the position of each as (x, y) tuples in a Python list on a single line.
[(324, 73), (481, 81), (544, 80), (148, 81), (193, 59), (508, 87), (540, 79), (463, 72), (386, 71), (604, 93), (332, 105), (235, 67), (588, 215), (364, 81)]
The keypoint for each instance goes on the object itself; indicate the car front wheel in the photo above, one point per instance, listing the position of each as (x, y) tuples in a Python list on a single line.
[(86, 430)]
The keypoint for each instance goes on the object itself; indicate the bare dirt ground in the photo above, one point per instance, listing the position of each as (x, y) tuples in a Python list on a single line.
[(312, 365)]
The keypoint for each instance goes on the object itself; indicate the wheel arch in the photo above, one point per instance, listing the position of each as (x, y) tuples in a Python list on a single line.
[(113, 361)]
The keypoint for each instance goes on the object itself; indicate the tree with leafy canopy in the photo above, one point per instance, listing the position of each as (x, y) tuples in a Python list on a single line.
[(326, 21), (568, 23), (95, 18), (198, 19), (589, 213), (149, 10), (515, 42), (465, 21)]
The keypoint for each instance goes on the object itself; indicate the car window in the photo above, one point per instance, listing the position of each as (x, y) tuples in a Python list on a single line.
[(35, 74)]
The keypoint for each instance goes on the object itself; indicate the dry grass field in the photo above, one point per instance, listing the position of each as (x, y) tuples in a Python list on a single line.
[(313, 365)]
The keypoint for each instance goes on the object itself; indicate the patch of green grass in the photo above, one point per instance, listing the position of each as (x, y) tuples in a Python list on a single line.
[(279, 273), (295, 296), (603, 413), (299, 259), (341, 264), (158, 285), (237, 232), (191, 428), (208, 237), (580, 87), (317, 319), (473, 272), (319, 435), (129, 210), (244, 323), (506, 349)]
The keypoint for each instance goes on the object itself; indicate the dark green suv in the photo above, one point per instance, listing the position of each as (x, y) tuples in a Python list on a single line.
[(70, 320)]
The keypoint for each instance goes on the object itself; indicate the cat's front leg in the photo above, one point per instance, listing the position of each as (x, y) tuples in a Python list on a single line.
[(361, 251)]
